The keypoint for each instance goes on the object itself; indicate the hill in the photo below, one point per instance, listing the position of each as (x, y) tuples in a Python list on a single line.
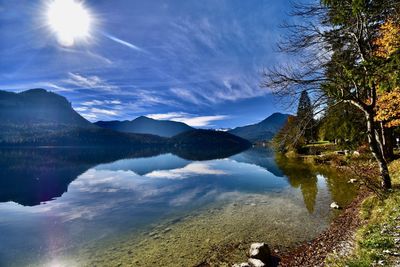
[(262, 131), (205, 144), (145, 125)]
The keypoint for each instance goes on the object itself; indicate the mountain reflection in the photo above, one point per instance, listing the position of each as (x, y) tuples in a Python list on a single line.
[(32, 176)]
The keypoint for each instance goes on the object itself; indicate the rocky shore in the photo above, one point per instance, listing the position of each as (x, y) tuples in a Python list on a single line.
[(337, 238)]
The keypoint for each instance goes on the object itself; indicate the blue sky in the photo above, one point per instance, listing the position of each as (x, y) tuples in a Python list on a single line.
[(194, 61)]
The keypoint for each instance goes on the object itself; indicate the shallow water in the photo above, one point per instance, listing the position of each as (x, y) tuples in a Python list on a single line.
[(86, 208)]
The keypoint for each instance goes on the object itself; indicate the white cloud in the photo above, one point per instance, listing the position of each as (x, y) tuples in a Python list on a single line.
[(104, 111), (190, 119)]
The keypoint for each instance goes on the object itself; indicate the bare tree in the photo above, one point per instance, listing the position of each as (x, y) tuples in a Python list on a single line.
[(331, 45)]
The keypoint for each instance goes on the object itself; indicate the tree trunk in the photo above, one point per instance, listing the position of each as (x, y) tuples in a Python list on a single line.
[(377, 149), (387, 142)]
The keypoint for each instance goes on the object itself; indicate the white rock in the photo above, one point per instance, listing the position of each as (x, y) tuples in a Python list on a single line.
[(260, 251), (356, 153), (244, 264), (256, 263), (352, 181), (334, 205)]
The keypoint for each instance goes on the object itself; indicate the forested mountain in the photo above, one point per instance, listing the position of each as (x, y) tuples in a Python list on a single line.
[(262, 131), (201, 144), (145, 125)]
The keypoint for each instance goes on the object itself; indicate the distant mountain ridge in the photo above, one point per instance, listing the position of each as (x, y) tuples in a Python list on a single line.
[(262, 131), (145, 125), (37, 117)]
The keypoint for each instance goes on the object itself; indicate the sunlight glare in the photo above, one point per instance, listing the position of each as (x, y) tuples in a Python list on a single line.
[(69, 20)]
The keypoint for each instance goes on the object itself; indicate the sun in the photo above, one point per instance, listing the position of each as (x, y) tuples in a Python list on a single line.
[(70, 20)]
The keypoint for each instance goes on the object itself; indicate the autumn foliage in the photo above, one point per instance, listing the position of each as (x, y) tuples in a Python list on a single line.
[(388, 102), (388, 108), (388, 41)]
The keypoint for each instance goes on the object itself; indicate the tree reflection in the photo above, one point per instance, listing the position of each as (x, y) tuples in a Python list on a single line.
[(300, 175)]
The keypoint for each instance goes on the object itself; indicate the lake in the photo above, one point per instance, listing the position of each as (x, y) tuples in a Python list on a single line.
[(96, 207)]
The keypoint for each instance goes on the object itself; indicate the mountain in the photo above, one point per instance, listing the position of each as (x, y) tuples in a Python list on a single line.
[(145, 125), (37, 106), (262, 131), (40, 118)]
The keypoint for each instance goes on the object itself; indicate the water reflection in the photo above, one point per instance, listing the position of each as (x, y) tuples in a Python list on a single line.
[(302, 176), (89, 195)]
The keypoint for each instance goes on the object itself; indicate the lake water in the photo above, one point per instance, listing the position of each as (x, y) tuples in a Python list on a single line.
[(95, 207)]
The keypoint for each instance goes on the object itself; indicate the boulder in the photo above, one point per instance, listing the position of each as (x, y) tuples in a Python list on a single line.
[(352, 181), (256, 263), (260, 251)]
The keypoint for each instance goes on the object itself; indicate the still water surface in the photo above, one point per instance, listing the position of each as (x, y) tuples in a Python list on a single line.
[(95, 207)]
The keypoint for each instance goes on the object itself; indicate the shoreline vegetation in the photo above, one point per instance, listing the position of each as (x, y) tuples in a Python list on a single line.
[(367, 232)]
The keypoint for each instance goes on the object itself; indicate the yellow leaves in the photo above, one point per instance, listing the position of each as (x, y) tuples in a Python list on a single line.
[(388, 108), (389, 40)]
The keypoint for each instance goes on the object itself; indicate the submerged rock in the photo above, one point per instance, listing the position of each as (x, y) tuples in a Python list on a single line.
[(260, 251), (256, 263)]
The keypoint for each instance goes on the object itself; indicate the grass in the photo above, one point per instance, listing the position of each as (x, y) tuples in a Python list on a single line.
[(375, 241)]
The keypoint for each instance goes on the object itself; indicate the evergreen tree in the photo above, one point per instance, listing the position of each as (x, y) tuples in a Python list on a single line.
[(305, 116)]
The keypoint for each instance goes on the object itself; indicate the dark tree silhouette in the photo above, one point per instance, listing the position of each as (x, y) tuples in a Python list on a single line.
[(305, 116)]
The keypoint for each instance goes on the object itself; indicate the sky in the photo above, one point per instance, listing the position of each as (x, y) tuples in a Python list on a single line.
[(199, 62)]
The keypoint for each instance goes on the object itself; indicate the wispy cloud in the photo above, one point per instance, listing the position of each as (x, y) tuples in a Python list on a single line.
[(190, 119), (51, 86), (96, 102), (187, 95), (122, 42), (89, 82)]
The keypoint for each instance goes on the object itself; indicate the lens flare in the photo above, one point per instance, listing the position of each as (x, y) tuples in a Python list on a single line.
[(69, 20)]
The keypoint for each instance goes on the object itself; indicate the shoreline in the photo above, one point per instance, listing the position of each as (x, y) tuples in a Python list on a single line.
[(337, 238)]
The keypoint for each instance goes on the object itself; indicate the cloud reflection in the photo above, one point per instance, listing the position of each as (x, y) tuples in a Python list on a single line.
[(196, 168)]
